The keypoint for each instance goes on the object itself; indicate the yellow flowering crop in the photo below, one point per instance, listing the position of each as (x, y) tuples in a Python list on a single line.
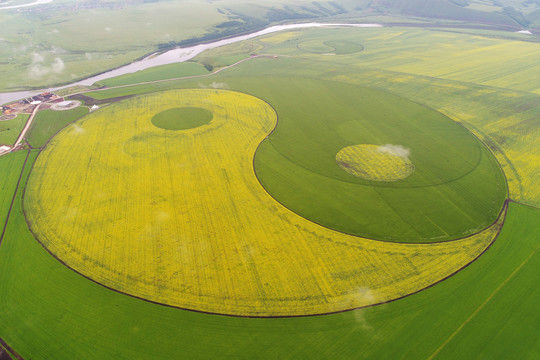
[(372, 162), (178, 217)]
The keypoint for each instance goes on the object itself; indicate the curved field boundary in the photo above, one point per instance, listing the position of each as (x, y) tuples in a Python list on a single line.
[(295, 271)]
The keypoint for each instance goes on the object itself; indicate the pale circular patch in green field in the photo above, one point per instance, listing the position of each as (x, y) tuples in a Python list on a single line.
[(182, 118), (376, 163)]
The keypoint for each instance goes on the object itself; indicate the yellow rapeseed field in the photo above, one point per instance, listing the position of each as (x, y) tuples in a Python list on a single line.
[(372, 162), (178, 217)]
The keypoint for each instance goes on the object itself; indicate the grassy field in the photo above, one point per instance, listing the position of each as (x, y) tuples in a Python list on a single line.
[(45, 48), (10, 168), (48, 122), (157, 73), (62, 41), (10, 129)]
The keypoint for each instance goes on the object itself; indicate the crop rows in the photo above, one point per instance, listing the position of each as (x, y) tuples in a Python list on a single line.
[(178, 217)]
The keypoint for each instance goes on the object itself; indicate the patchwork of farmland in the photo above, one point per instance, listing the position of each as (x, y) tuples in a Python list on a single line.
[(314, 184), (217, 240)]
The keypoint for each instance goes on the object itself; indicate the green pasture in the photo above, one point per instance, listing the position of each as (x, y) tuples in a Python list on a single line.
[(10, 167), (10, 129), (219, 57), (170, 71), (49, 122), (52, 312), (99, 37), (62, 42)]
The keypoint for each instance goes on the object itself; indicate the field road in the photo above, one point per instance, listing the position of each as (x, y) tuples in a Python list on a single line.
[(23, 132), (26, 127)]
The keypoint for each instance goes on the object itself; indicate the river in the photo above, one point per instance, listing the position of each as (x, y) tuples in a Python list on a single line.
[(38, 2), (173, 56)]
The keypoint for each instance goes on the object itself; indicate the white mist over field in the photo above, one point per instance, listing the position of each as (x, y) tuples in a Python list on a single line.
[(396, 150), (39, 69)]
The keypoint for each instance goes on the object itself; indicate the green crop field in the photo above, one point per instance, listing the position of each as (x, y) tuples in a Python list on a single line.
[(48, 122), (157, 73), (459, 110), (299, 160), (10, 129), (10, 168)]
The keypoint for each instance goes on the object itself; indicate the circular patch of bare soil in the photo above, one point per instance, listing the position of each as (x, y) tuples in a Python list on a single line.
[(66, 105)]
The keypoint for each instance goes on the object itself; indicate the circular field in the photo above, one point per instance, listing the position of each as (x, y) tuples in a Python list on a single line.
[(181, 218), (456, 189), (182, 118), (65, 105), (375, 162)]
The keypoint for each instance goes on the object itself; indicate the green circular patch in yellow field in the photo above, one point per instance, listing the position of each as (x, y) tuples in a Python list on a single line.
[(376, 163), (182, 118)]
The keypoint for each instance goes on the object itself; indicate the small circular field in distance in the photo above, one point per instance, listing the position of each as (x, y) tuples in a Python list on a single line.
[(182, 118), (375, 163)]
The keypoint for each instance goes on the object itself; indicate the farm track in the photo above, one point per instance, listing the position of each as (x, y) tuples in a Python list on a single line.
[(10, 352)]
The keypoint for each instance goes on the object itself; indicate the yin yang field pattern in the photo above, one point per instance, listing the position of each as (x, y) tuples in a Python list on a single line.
[(179, 217)]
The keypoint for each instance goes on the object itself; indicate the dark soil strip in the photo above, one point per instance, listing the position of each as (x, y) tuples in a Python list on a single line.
[(13, 199), (7, 352), (87, 100)]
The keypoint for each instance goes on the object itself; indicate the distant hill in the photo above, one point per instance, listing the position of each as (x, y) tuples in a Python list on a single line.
[(444, 9)]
